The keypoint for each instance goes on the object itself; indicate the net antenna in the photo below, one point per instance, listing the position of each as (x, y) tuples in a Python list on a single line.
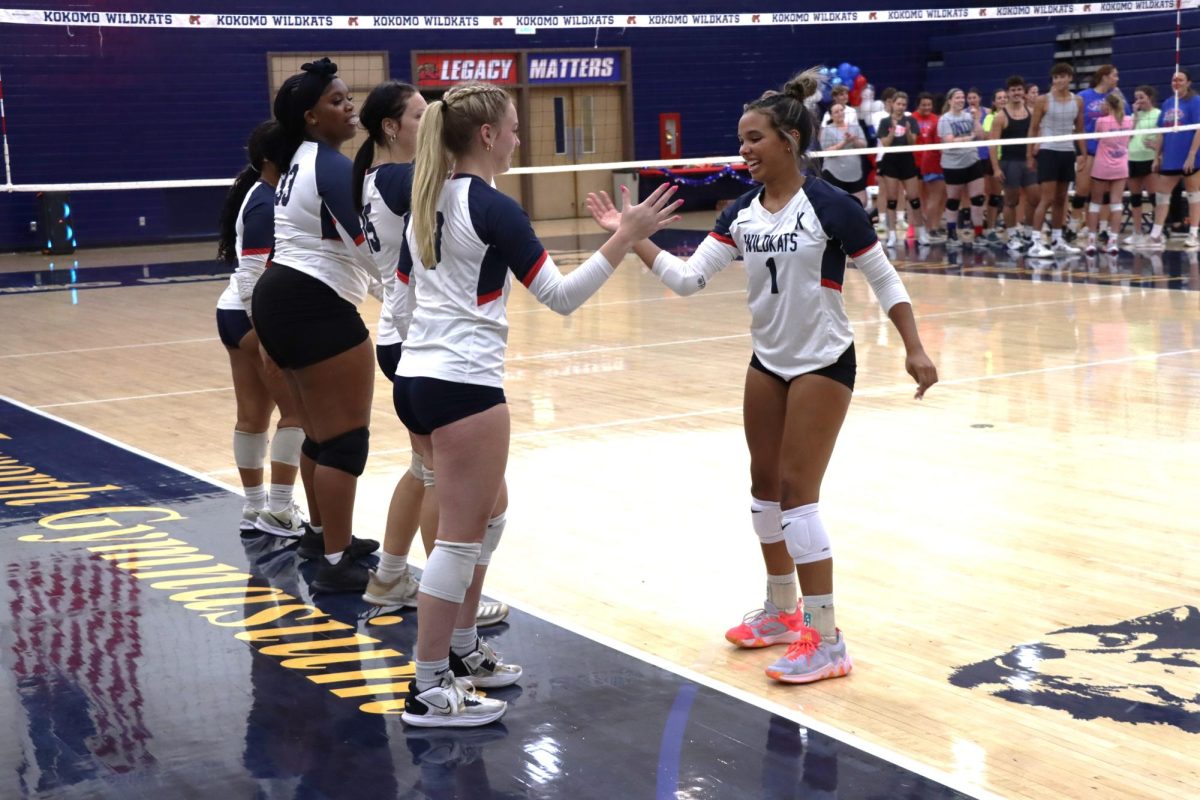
[(4, 135)]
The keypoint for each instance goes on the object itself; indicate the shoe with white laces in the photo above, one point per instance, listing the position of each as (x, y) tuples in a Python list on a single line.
[(483, 668), (1062, 248), (1190, 242), (399, 593), (1017, 243), (1039, 250), (810, 659), (288, 523), (453, 703), (766, 626)]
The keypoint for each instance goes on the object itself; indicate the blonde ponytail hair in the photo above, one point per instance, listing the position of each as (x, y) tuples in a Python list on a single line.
[(446, 131)]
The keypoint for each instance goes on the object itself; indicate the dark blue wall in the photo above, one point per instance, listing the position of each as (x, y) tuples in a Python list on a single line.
[(104, 104)]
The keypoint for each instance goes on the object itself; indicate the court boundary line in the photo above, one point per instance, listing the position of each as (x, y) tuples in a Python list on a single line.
[(795, 715)]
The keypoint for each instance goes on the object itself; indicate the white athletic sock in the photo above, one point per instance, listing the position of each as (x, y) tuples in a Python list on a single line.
[(1194, 230), (464, 641), (333, 558), (1056, 235), (319, 530), (256, 496), (781, 591), (429, 673), (1156, 230), (281, 496), (390, 566), (818, 613)]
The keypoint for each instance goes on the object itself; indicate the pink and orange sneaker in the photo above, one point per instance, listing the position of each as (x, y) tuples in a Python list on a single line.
[(810, 659), (766, 626)]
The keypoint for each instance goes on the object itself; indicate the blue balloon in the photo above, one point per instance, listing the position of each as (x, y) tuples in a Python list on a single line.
[(843, 67), (837, 80), (854, 73)]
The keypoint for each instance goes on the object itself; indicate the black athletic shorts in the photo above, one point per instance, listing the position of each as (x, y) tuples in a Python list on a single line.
[(1055, 165), (1140, 169), (961, 176), (388, 356), (849, 187), (232, 326), (900, 166), (302, 321), (426, 404), (843, 370)]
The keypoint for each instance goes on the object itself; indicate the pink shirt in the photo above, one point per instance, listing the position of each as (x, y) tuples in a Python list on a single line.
[(1112, 155)]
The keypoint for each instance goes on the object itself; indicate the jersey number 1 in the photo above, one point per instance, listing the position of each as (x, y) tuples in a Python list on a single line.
[(774, 276)]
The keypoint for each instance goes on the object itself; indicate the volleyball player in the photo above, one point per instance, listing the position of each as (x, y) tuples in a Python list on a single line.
[(1110, 170), (383, 191), (1176, 160), (1059, 112), (304, 309), (933, 181), (1104, 82), (993, 186), (1009, 163), (794, 233), (898, 171), (247, 235), (961, 166), (1141, 159), (464, 239)]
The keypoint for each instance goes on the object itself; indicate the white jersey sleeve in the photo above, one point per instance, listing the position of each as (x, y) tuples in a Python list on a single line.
[(387, 195)]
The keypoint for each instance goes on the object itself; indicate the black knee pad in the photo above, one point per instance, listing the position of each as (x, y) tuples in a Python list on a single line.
[(891, 204), (1078, 202), (347, 452), (996, 200), (311, 449), (952, 204), (977, 201), (915, 203), (1135, 200)]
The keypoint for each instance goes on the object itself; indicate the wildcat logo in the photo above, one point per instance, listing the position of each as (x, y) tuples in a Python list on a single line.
[(1085, 671), (193, 19), (426, 71)]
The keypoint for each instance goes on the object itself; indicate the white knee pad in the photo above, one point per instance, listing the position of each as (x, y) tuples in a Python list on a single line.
[(1093, 208), (1116, 208), (416, 467), (449, 570), (427, 477), (1193, 197), (491, 538), (1162, 199), (249, 449), (764, 516), (285, 447), (805, 535)]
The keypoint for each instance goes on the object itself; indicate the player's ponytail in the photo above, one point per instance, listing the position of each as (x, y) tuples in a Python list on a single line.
[(263, 139), (429, 175), (789, 112), (296, 96)]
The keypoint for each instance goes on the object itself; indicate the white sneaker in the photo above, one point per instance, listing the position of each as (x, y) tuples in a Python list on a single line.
[(491, 612), (249, 517), (1113, 250), (1134, 240), (1190, 242), (288, 523), (400, 593), (1090, 249), (1063, 249), (1039, 250), (451, 704), (483, 668), (1155, 242), (891, 240)]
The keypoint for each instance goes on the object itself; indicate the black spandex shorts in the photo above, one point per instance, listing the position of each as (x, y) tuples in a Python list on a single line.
[(1055, 165), (843, 370), (426, 404), (232, 326), (1140, 169), (961, 176), (388, 356), (301, 321), (897, 166), (849, 187)]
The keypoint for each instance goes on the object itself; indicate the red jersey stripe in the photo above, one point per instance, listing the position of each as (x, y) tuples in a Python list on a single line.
[(722, 238), (828, 284), (484, 299), (866, 249), (533, 271), (259, 251)]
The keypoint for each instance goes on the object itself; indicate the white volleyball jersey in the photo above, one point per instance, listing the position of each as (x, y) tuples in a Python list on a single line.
[(316, 228), (387, 193), (255, 236), (459, 329), (795, 265)]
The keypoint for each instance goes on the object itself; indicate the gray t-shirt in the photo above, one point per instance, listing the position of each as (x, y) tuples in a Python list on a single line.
[(844, 168), (960, 124)]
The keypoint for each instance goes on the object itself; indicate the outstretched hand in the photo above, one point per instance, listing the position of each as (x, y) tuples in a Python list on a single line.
[(637, 221), (922, 370)]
